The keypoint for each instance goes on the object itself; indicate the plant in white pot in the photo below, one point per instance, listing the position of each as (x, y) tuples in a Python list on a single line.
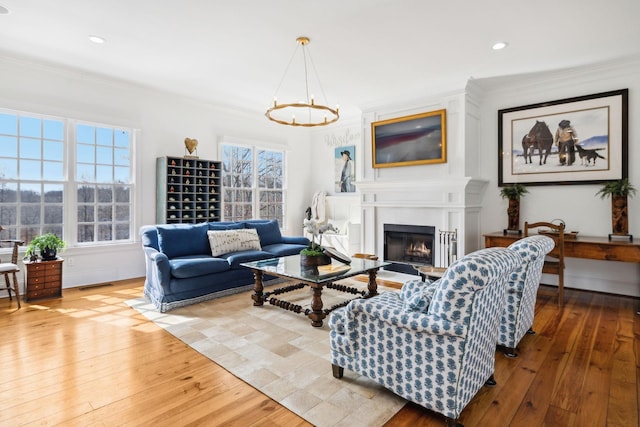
[(619, 191)]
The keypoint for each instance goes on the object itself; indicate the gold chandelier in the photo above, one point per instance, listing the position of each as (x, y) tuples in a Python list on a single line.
[(308, 112)]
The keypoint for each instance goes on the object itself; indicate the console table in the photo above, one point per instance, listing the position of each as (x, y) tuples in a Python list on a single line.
[(590, 247)]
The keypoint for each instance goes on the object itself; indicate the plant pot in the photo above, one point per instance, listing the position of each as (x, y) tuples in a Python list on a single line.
[(619, 216), (48, 254), (513, 212), (314, 260)]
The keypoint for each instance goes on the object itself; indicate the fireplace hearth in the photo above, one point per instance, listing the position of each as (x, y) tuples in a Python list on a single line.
[(408, 246)]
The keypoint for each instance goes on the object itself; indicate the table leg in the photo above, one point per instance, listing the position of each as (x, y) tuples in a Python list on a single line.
[(316, 314), (257, 289), (373, 285)]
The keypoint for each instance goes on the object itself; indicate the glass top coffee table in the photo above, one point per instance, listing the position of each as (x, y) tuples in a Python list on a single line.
[(316, 278)]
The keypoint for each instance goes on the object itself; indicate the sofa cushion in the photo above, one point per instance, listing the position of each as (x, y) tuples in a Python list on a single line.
[(226, 226), (236, 258), (182, 240), (284, 249), (269, 232), (227, 241), (196, 265)]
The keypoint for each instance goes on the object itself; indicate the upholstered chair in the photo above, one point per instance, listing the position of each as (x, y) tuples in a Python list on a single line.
[(522, 288), (436, 346)]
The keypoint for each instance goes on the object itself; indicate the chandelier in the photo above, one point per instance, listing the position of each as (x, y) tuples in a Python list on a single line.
[(307, 113)]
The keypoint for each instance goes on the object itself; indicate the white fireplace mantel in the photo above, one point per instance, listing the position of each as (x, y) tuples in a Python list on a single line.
[(449, 203)]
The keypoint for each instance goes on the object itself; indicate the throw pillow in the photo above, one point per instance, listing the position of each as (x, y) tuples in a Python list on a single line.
[(269, 232), (182, 240), (226, 241)]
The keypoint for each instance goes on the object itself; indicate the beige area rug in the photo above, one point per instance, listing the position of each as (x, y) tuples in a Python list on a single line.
[(279, 353)]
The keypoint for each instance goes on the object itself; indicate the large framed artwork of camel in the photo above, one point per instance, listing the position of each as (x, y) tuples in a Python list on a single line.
[(581, 140), (418, 139)]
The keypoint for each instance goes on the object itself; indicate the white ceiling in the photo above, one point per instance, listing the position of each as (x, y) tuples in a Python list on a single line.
[(366, 52)]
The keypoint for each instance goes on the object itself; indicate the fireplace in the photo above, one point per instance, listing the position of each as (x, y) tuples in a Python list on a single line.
[(406, 246)]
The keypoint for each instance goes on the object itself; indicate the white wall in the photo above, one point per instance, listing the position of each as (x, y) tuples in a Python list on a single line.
[(163, 121), (577, 205)]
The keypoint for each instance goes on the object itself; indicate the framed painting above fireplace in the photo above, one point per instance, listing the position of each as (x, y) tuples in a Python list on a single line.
[(418, 139)]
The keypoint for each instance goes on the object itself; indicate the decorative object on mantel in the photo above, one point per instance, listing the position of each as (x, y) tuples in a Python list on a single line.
[(191, 145), (309, 113), (47, 245), (513, 192), (619, 191)]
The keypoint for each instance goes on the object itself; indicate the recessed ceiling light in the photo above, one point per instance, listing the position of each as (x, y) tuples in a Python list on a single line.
[(499, 45), (3, 10), (97, 39)]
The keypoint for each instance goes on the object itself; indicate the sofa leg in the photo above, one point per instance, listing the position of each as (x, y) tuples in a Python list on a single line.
[(453, 422), (510, 353), (491, 381), (338, 371), (531, 332)]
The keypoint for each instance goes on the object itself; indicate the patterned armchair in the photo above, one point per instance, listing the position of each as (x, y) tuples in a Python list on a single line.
[(522, 288), (432, 343)]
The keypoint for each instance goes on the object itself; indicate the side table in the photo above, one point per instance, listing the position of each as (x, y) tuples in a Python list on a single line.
[(43, 279)]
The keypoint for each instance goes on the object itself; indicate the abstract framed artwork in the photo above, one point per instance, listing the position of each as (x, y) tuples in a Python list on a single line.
[(418, 139), (581, 140)]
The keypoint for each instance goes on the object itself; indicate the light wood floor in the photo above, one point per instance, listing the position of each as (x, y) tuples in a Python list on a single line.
[(88, 359)]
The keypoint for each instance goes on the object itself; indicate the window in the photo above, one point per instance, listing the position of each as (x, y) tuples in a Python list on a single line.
[(252, 183), (42, 190)]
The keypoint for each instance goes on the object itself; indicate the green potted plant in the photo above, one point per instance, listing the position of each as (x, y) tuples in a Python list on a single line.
[(619, 191), (313, 255), (513, 192), (46, 245)]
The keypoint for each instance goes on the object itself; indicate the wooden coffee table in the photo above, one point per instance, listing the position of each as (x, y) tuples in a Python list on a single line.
[(289, 267)]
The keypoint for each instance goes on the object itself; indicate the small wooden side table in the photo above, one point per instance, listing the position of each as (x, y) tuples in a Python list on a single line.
[(43, 279)]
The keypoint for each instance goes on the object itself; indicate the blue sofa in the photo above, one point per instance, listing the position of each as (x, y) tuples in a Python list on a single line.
[(180, 268)]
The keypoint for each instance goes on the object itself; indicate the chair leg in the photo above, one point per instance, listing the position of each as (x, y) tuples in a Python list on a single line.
[(338, 371), (16, 288), (491, 381), (8, 285), (561, 289)]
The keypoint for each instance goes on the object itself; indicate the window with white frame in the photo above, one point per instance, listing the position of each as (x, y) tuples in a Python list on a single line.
[(253, 183), (42, 190)]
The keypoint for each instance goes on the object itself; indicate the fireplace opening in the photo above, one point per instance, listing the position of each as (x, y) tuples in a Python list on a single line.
[(406, 246)]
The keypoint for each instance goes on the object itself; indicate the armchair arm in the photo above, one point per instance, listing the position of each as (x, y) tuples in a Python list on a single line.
[(393, 314), (158, 270), (297, 240)]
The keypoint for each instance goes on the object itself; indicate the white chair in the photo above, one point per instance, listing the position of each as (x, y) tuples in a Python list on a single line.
[(11, 269)]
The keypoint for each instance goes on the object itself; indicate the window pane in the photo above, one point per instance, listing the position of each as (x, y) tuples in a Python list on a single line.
[(30, 148), (30, 170), (85, 134), (105, 213), (121, 157), (85, 233), (30, 126), (121, 139), (9, 124), (53, 214), (122, 213), (8, 215), (29, 214), (122, 232), (54, 129), (104, 173), (53, 171), (104, 233), (52, 150), (8, 146), (105, 155), (105, 137), (105, 195), (86, 213), (86, 194), (122, 194), (8, 169), (8, 192), (53, 194), (30, 193), (85, 173), (85, 153)]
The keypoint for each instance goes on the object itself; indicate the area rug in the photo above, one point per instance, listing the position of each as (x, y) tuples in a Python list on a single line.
[(279, 353)]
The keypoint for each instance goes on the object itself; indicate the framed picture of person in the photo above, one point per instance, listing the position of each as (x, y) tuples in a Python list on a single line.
[(345, 169), (581, 140)]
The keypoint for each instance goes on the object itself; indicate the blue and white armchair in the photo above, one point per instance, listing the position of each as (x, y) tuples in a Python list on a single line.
[(522, 289), (432, 343)]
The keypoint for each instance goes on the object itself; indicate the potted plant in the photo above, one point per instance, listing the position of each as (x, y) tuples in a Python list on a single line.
[(619, 191), (513, 192), (46, 245), (313, 255)]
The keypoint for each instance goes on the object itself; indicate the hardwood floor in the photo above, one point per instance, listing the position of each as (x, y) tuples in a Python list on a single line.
[(89, 359)]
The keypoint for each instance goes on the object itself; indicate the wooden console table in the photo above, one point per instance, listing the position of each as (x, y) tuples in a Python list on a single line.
[(590, 247)]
